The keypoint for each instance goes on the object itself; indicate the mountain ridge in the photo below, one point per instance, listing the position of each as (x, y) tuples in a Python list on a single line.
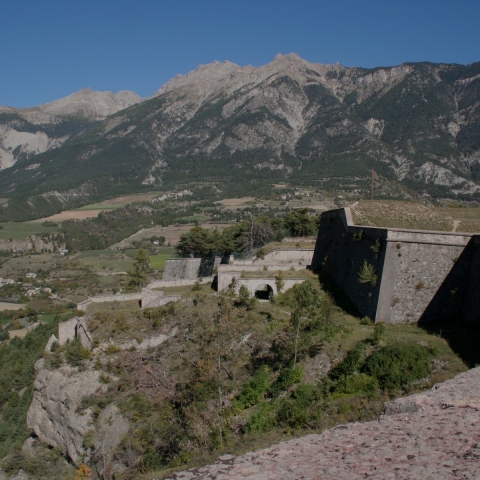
[(19, 134), (238, 129)]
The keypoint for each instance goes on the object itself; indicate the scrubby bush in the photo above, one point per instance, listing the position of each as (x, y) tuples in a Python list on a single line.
[(292, 414), (352, 361), (76, 353), (357, 384), (395, 366), (288, 376), (244, 298), (378, 333), (254, 390), (263, 419), (367, 274)]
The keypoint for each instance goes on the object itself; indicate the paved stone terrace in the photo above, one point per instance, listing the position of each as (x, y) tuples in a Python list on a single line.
[(441, 440)]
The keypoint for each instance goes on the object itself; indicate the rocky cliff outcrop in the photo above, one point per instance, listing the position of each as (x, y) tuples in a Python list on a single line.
[(433, 435), (53, 415)]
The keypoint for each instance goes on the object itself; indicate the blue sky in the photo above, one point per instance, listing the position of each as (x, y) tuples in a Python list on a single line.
[(51, 48)]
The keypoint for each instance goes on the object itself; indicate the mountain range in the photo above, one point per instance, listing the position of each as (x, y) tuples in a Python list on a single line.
[(231, 129)]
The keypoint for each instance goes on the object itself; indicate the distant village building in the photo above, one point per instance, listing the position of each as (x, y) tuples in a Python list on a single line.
[(34, 291), (31, 275), (63, 251)]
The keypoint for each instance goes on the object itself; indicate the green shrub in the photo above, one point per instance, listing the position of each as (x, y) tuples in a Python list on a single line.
[(357, 384), (399, 364), (302, 406), (358, 236), (17, 360), (244, 298), (292, 414), (76, 353), (112, 349), (288, 376), (263, 419), (279, 282), (366, 321), (378, 333), (367, 274), (352, 361), (88, 439), (255, 389), (56, 359)]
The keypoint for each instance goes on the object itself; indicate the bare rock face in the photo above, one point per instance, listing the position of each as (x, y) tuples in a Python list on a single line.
[(53, 415), (459, 392), (438, 439)]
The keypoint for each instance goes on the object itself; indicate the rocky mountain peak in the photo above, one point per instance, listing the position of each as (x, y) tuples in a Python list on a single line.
[(85, 103)]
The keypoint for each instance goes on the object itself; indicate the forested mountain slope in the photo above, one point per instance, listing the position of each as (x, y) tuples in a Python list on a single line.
[(241, 128)]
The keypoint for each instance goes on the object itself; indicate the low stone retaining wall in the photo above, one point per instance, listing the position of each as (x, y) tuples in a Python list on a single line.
[(119, 297), (288, 256), (147, 297), (178, 283)]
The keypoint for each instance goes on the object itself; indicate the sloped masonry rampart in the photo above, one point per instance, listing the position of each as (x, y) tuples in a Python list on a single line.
[(421, 275)]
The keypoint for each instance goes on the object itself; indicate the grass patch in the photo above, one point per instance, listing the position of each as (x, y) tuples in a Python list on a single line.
[(157, 262), (21, 230), (397, 214), (102, 206)]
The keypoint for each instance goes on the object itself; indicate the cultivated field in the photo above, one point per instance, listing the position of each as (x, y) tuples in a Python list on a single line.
[(18, 231), (101, 206), (10, 306), (234, 203), (70, 215)]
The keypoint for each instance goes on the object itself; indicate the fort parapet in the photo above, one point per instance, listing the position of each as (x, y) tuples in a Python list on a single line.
[(408, 275)]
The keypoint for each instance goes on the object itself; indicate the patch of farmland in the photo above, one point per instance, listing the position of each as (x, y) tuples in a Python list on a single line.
[(20, 230), (11, 306)]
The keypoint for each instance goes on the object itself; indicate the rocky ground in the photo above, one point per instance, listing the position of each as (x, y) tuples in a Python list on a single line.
[(434, 435)]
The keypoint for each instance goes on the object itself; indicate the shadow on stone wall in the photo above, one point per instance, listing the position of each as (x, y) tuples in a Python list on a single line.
[(454, 311), (340, 299), (207, 265), (447, 303)]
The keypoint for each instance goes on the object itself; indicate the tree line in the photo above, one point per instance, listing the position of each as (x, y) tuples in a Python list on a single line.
[(248, 235)]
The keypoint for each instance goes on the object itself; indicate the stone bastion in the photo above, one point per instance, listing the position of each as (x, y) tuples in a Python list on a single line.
[(397, 275)]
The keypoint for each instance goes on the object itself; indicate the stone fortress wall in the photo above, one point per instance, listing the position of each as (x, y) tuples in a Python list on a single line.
[(422, 275), (191, 268)]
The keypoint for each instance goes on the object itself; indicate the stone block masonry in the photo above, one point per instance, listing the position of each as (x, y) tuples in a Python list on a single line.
[(190, 268), (413, 275)]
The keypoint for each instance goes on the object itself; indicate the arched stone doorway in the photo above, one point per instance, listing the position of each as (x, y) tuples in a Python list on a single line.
[(263, 291)]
